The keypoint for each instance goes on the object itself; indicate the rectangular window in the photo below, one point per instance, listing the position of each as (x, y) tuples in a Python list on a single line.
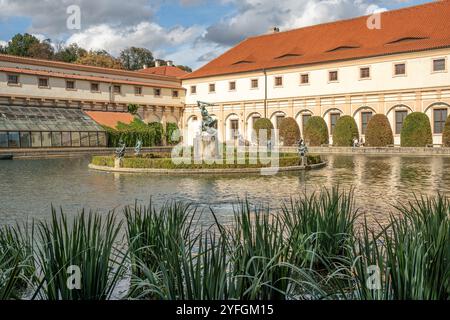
[(25, 140), (13, 140), (400, 69), (157, 92), (102, 139), (3, 139), (278, 81), (305, 119), (364, 73), (232, 85), (193, 89), (95, 87), (46, 139), (175, 94), (117, 89), (254, 84), (43, 83), (70, 85), (399, 118), (234, 126), (84, 139), (93, 139), (212, 87), (13, 79), (56, 139), (333, 76), (36, 140), (66, 139), (365, 117), (304, 78), (138, 91), (333, 119), (439, 117), (439, 65), (76, 140)]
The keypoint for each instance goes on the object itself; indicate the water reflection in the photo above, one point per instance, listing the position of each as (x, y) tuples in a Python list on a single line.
[(29, 187)]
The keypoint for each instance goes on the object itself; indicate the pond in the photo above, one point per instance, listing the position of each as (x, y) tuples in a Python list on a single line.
[(28, 188)]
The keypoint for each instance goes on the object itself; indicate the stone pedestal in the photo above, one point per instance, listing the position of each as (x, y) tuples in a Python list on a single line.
[(118, 163), (206, 147)]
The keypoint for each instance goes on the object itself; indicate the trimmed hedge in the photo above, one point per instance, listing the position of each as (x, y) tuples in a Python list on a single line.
[(170, 137), (316, 132), (150, 135), (289, 131), (379, 132), (446, 133), (416, 131), (167, 163), (262, 124), (345, 132)]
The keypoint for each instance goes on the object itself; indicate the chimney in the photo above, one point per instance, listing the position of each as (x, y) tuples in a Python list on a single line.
[(274, 30), (170, 63), (157, 63)]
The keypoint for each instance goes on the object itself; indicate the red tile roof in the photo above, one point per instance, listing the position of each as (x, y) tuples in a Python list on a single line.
[(87, 78), (110, 119), (410, 29), (168, 71)]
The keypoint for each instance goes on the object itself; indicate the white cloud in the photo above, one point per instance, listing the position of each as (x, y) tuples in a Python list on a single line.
[(3, 43)]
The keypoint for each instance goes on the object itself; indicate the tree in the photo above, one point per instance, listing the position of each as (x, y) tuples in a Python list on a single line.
[(379, 132), (184, 68), (289, 131), (416, 131), (41, 50), (134, 58), (101, 59), (20, 45), (345, 132), (316, 132), (446, 133), (70, 53)]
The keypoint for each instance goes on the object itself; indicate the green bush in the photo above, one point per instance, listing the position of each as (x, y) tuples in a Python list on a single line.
[(289, 131), (263, 124), (416, 131), (316, 132), (133, 108), (170, 137), (379, 132), (345, 132), (150, 135), (446, 133)]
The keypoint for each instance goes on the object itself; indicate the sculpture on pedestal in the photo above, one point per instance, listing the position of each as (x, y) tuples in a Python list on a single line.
[(206, 144), (303, 151), (120, 154), (138, 148)]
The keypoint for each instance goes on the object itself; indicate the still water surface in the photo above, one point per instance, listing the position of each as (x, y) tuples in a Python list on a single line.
[(28, 188)]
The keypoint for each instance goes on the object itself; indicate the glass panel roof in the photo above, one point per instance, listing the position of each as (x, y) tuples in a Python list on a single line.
[(15, 118)]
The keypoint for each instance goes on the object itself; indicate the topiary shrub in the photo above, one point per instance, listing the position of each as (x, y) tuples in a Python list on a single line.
[(289, 131), (446, 133), (345, 132), (149, 134), (416, 131), (379, 132), (172, 138), (263, 124), (316, 132)]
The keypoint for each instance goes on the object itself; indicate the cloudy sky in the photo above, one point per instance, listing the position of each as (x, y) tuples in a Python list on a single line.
[(190, 32)]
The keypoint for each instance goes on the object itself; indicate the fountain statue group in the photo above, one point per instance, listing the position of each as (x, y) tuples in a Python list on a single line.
[(206, 143)]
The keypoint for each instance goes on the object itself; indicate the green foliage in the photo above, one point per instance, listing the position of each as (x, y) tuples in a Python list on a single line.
[(87, 243), (379, 132), (446, 133), (289, 131), (345, 132), (150, 135), (20, 45), (133, 108), (100, 58), (70, 53), (185, 68), (416, 131), (316, 132), (134, 58), (263, 124), (171, 133)]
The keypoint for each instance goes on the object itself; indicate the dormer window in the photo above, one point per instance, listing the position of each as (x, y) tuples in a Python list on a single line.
[(406, 39)]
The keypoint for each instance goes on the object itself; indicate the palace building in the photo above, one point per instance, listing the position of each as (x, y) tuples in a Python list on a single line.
[(346, 67), (53, 104), (352, 67)]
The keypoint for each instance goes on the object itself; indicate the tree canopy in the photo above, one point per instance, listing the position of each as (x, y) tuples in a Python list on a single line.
[(134, 58)]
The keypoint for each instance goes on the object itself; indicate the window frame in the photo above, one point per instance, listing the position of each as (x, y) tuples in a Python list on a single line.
[(251, 84), (394, 69), (301, 79), (275, 79), (329, 76), (175, 94), (332, 127), (95, 84), (370, 73), (211, 88), (230, 86), (445, 65), (442, 121), (193, 91), (364, 128), (12, 84), (119, 92), (159, 90), (74, 85), (398, 132), (47, 80), (136, 89)]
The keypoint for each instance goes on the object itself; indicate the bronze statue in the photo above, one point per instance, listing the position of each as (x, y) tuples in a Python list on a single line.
[(208, 123), (120, 151)]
